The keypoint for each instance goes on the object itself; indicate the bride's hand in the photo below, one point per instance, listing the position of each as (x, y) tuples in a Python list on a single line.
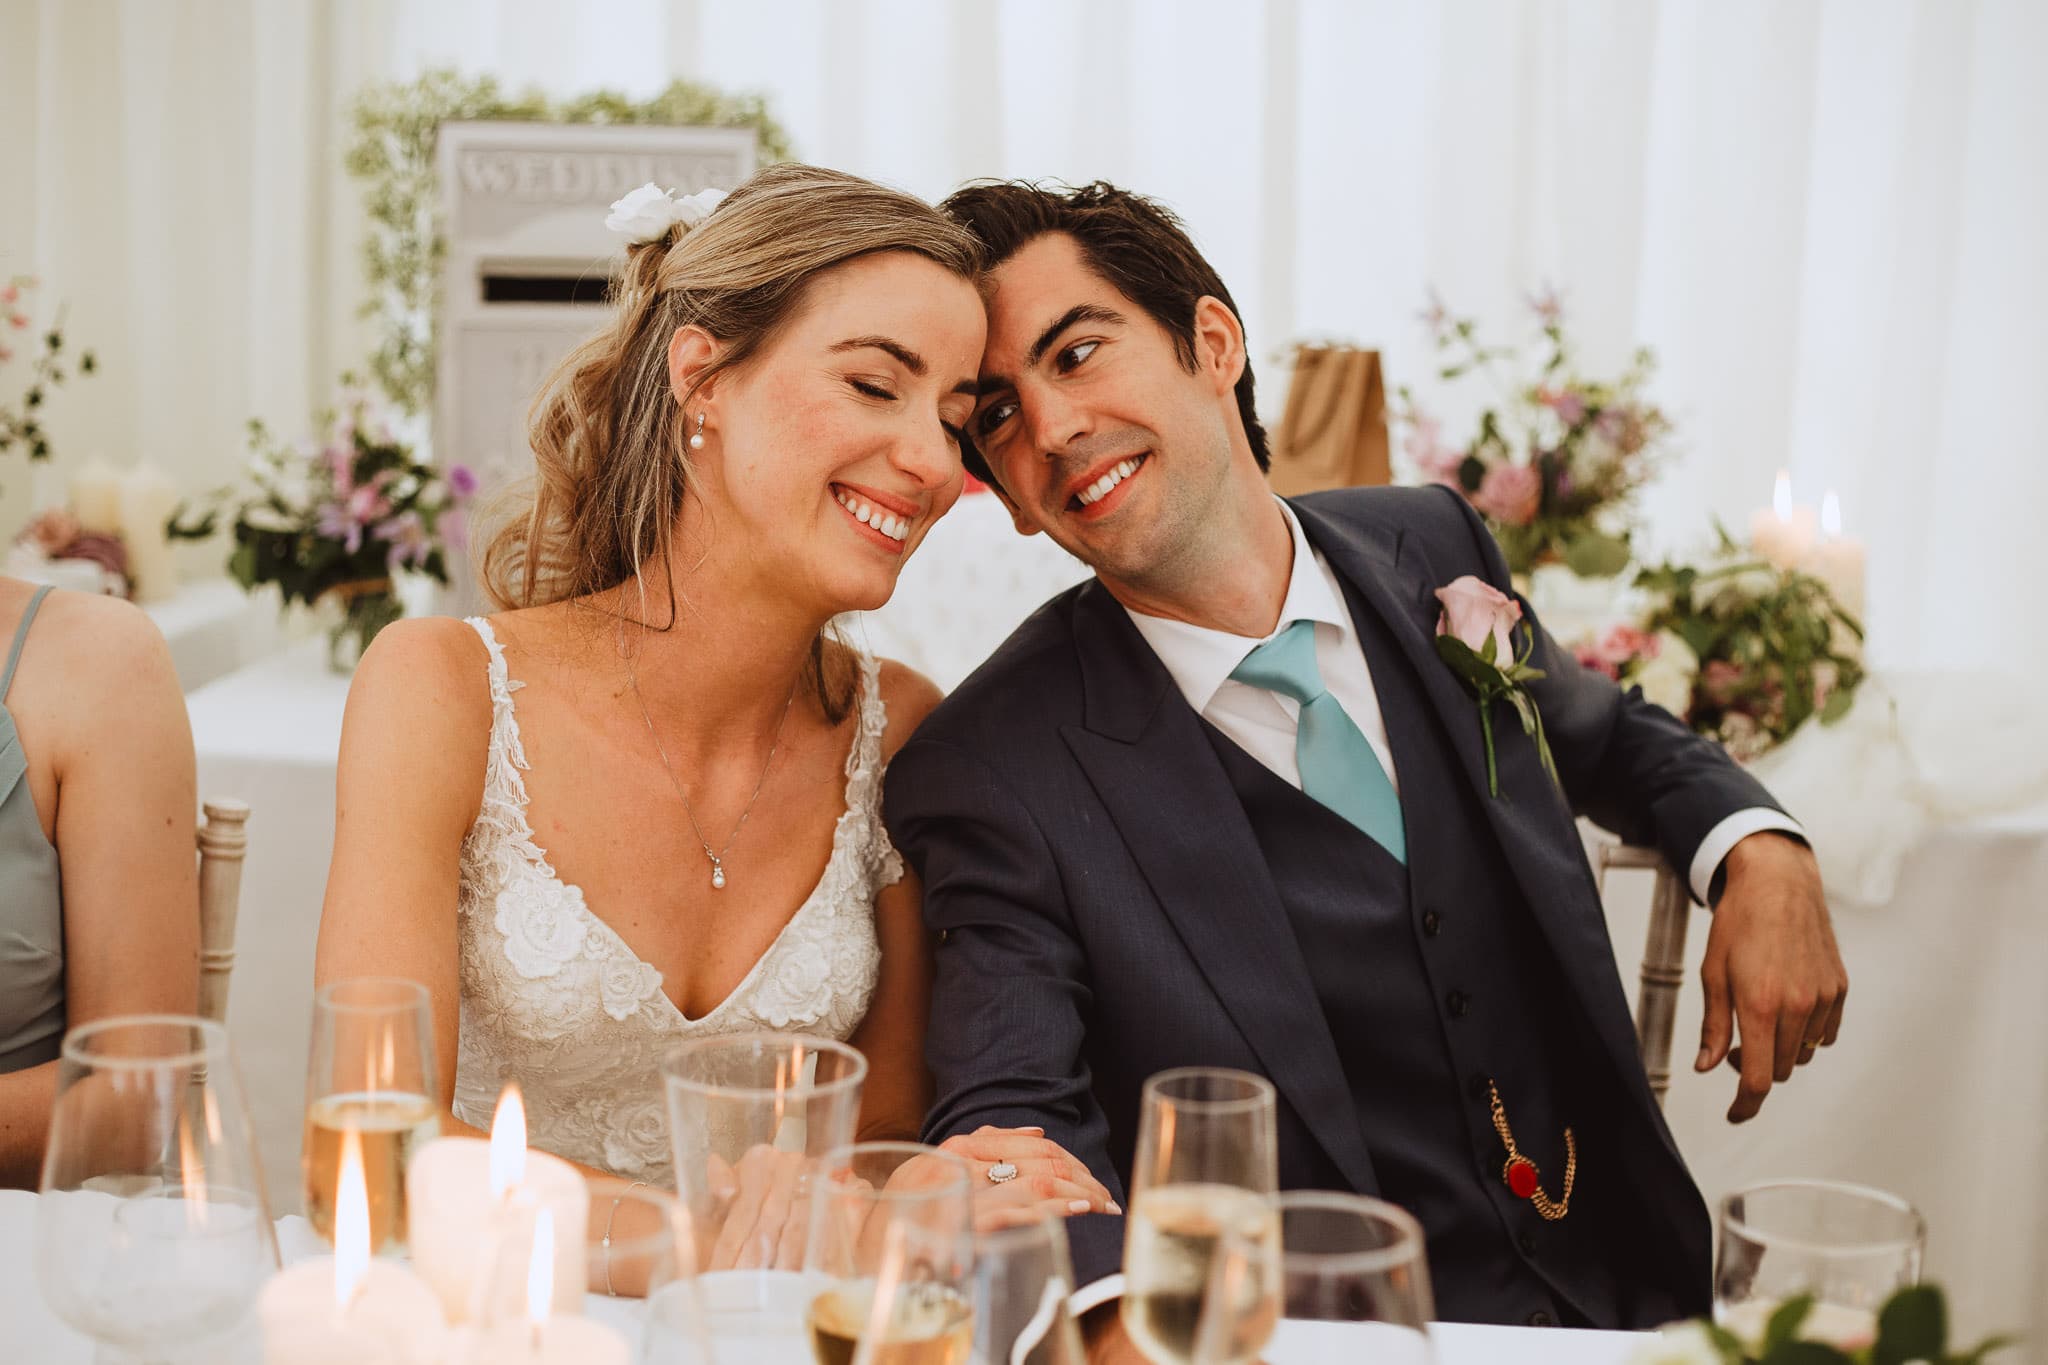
[(1048, 1179), (763, 1223)]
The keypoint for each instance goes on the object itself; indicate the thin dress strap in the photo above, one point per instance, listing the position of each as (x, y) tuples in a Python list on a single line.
[(21, 638)]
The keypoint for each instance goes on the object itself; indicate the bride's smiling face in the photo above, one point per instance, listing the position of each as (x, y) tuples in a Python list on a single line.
[(830, 452)]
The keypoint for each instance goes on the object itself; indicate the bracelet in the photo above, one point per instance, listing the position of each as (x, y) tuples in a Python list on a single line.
[(610, 1218)]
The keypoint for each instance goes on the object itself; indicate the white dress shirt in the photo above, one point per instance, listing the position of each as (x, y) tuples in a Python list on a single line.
[(1264, 723)]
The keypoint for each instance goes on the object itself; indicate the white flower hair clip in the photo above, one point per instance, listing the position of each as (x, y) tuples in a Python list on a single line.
[(648, 213)]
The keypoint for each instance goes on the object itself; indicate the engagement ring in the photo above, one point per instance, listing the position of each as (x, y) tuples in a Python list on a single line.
[(1002, 1173)]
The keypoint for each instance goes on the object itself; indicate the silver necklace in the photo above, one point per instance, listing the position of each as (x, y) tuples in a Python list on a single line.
[(717, 858)]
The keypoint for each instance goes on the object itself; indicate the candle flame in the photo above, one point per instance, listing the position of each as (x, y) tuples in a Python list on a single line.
[(508, 1142), (1831, 516), (191, 1172), (540, 1271), (1781, 496), (351, 1221)]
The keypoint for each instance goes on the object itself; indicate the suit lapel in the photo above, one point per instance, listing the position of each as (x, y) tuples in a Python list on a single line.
[(1144, 752), (1532, 819)]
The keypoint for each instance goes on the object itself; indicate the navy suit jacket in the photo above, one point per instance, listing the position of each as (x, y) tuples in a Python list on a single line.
[(1103, 912)]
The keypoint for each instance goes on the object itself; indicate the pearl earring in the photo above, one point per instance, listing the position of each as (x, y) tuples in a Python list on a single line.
[(697, 437)]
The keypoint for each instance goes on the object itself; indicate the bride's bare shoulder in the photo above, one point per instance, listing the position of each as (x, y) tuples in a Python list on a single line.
[(909, 697)]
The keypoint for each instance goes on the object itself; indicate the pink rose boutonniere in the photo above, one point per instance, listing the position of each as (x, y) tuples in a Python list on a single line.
[(1475, 635)]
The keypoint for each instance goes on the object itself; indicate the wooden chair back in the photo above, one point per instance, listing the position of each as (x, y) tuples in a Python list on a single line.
[(223, 842), (1663, 955)]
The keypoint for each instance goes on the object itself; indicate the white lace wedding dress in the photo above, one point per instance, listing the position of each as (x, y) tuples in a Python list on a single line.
[(553, 998)]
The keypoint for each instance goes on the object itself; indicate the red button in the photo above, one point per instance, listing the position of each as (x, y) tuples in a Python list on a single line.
[(1521, 1177)]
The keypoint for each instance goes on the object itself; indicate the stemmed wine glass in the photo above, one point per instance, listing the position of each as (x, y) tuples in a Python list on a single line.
[(890, 1254), (1206, 1167), (152, 1231), (1022, 1278), (1353, 1282)]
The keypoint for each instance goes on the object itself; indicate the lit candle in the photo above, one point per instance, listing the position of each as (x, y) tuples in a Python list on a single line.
[(1839, 561), (543, 1338), (1782, 533), (347, 1309), (147, 499), (467, 1198), (96, 497)]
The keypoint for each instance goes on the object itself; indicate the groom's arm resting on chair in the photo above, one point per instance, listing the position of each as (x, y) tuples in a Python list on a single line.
[(1772, 970)]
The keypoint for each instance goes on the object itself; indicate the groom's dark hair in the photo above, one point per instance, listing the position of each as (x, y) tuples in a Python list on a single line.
[(1136, 244)]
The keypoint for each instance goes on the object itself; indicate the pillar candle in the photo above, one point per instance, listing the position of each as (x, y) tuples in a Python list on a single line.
[(472, 1206), (147, 499), (96, 497), (1838, 560), (1782, 533)]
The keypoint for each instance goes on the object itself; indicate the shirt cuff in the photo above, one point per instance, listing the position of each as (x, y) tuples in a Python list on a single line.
[(1094, 1295), (1722, 839)]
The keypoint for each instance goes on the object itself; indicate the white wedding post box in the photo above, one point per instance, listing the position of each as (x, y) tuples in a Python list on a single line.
[(527, 265)]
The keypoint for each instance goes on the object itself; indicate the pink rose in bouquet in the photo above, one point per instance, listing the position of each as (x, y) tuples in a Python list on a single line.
[(1510, 493)]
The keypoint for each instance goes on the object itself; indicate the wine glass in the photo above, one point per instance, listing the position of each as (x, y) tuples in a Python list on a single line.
[(891, 1255), (1022, 1277), (1206, 1165), (1848, 1246), (152, 1231), (749, 1115), (1351, 1281), (371, 1068)]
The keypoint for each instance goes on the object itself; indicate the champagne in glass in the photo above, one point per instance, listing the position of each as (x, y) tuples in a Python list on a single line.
[(1207, 1162), (371, 1069), (891, 1246)]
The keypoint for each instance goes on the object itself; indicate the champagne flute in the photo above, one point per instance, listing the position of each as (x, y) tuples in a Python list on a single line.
[(1848, 1246), (891, 1250), (749, 1115), (152, 1232), (1022, 1277), (1206, 1164), (372, 1069), (1352, 1281)]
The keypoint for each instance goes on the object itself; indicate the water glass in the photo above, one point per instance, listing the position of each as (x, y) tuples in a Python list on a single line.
[(371, 1068), (1352, 1281), (1022, 1277), (153, 1234), (1848, 1246), (749, 1116), (1207, 1164)]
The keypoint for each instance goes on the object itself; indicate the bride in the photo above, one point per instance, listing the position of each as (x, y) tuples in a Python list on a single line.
[(641, 803)]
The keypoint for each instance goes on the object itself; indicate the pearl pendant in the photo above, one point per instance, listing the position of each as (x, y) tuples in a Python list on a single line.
[(717, 876)]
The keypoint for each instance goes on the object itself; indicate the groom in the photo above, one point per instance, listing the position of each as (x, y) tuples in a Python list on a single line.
[(1224, 805)]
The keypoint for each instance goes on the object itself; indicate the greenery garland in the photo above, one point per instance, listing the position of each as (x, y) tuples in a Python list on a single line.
[(391, 152)]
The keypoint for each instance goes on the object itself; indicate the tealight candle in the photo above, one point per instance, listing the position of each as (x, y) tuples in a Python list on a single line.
[(347, 1309), (1782, 533), (468, 1199), (544, 1338)]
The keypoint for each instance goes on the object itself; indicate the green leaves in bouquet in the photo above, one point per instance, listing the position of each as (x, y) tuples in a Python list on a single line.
[(21, 421), (1912, 1329), (1592, 554)]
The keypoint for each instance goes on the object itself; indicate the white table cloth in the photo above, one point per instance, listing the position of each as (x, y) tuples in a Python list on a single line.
[(214, 628), (31, 1335)]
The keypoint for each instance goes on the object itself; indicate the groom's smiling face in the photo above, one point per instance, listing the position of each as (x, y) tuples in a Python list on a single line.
[(1096, 430)]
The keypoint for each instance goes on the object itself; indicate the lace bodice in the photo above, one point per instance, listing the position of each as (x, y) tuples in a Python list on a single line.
[(553, 998)]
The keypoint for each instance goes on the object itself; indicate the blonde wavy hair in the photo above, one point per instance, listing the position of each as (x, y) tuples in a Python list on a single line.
[(611, 464)]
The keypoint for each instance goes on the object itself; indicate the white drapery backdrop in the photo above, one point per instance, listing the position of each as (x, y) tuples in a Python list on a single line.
[(1826, 215)]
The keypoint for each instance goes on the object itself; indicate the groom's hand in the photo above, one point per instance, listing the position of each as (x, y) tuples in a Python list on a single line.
[(1772, 969)]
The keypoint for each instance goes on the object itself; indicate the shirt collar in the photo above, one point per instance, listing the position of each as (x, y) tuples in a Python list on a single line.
[(1201, 660)]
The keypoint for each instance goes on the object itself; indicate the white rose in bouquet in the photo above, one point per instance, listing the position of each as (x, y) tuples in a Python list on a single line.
[(1667, 676), (1685, 1344)]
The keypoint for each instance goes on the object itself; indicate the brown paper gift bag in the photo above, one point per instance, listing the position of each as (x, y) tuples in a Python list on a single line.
[(1334, 431)]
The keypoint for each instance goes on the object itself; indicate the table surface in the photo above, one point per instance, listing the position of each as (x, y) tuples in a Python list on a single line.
[(32, 1334)]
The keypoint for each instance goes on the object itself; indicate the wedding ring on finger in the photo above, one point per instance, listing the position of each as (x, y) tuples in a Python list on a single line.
[(1002, 1173)]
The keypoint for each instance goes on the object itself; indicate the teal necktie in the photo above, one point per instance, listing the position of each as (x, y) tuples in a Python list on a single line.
[(1338, 767)]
